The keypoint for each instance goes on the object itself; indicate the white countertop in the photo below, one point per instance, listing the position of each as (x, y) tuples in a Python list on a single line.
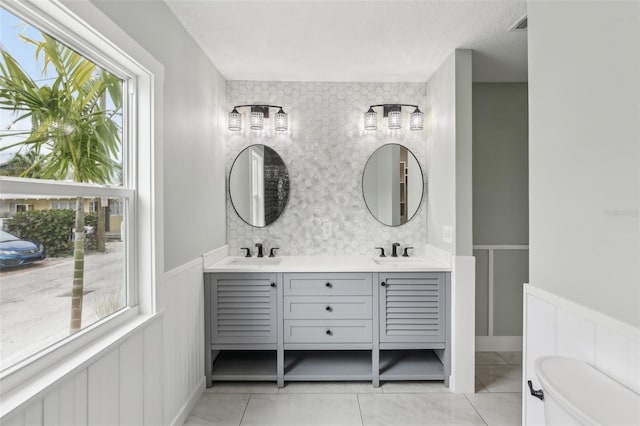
[(329, 264)]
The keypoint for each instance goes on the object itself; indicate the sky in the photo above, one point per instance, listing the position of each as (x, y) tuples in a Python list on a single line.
[(10, 29)]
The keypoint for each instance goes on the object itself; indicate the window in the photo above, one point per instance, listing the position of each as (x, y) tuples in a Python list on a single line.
[(114, 129), (23, 207), (72, 134), (63, 205), (115, 208)]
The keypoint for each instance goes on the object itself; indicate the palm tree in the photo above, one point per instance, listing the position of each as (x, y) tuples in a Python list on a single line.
[(23, 165), (72, 131)]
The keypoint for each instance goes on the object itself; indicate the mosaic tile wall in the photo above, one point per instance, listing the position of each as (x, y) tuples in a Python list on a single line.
[(326, 150)]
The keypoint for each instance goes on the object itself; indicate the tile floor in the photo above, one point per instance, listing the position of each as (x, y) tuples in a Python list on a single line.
[(497, 401)]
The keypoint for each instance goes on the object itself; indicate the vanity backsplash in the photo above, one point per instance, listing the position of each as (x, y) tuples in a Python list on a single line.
[(325, 151)]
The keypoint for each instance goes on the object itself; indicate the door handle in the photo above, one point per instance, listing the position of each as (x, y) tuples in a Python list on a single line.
[(537, 393)]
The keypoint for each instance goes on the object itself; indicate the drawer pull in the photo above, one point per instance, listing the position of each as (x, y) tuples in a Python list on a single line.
[(328, 285), (383, 284), (328, 309), (329, 333), (273, 284)]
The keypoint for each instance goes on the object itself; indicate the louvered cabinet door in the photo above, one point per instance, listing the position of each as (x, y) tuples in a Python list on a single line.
[(412, 307), (243, 308)]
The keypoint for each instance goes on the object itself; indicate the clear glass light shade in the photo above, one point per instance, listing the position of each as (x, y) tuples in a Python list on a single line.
[(417, 120), (235, 120), (370, 120), (257, 120), (395, 120), (282, 121)]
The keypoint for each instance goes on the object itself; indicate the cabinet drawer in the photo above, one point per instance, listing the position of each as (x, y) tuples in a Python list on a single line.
[(327, 331), (327, 284), (327, 307)]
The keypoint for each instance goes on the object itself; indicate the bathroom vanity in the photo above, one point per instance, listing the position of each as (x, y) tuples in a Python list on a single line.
[(327, 318)]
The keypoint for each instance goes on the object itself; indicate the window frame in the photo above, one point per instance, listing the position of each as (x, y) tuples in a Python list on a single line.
[(82, 27)]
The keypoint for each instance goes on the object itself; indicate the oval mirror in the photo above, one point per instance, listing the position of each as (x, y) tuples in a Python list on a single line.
[(392, 184), (259, 185)]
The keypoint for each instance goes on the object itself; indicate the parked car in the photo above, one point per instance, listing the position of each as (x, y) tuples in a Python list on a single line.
[(15, 251)]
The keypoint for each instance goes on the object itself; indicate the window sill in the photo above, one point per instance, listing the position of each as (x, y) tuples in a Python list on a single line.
[(39, 380)]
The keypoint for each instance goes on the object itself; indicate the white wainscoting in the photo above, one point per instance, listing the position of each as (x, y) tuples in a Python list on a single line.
[(557, 326), (182, 304), (491, 342), (118, 385)]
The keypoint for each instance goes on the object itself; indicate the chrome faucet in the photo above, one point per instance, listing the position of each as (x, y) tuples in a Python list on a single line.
[(394, 249), (259, 245)]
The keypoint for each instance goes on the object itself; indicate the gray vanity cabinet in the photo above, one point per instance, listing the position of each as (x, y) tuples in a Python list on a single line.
[(412, 307), (243, 308), (288, 326)]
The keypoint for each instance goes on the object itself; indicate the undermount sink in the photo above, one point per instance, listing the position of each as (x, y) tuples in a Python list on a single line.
[(400, 260), (255, 261)]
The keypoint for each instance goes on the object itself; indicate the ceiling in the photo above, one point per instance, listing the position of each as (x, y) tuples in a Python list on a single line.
[(374, 41)]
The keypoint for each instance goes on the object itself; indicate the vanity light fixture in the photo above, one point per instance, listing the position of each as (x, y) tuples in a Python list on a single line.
[(281, 121), (256, 119), (370, 119), (235, 120), (393, 112)]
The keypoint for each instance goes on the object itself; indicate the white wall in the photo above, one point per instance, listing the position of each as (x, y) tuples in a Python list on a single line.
[(449, 108), (194, 98), (463, 229), (449, 155), (584, 189), (440, 118), (584, 153)]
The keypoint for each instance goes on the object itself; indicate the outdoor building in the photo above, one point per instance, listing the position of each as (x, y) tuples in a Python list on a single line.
[(10, 204)]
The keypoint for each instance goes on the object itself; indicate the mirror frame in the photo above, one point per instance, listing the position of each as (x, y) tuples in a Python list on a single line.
[(229, 189), (421, 194)]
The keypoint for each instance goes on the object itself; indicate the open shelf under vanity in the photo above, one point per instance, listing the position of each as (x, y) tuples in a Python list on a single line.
[(327, 365), (245, 366), (411, 364)]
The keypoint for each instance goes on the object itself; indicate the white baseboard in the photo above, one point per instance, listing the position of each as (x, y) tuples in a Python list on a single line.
[(498, 343), (189, 404)]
